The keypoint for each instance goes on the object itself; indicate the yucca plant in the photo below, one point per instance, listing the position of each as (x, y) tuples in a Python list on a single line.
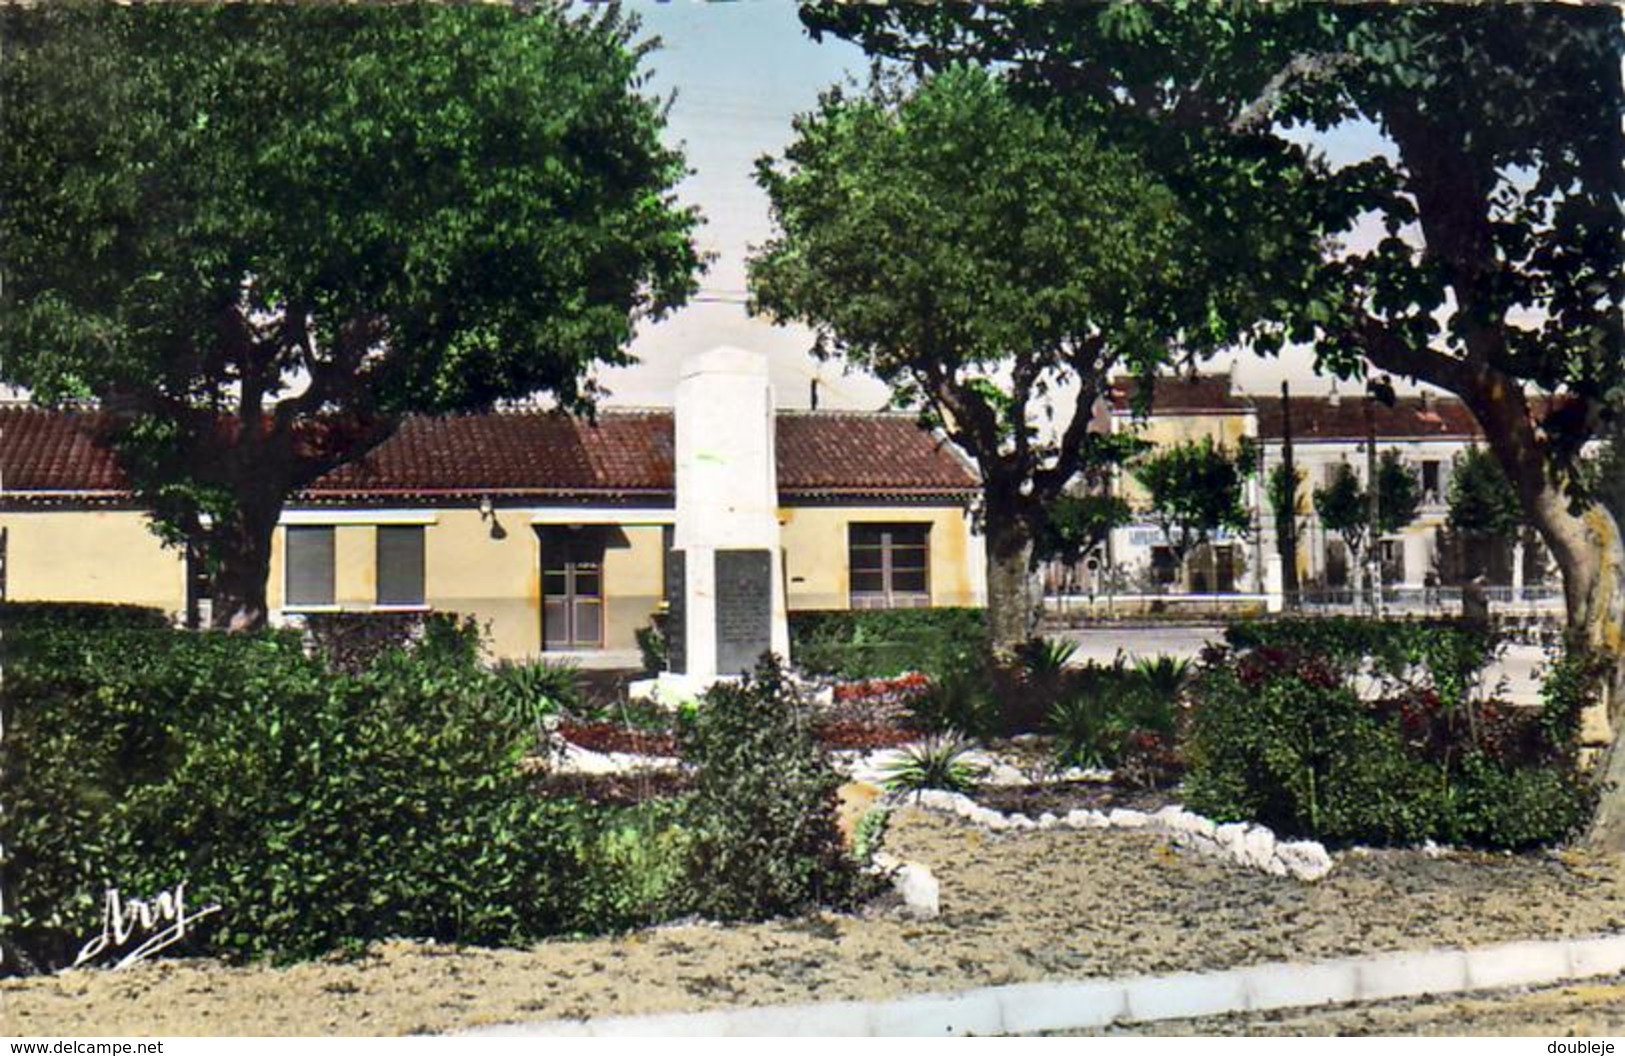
[(1163, 676), (1089, 731), (936, 762), (1046, 658), (531, 690)]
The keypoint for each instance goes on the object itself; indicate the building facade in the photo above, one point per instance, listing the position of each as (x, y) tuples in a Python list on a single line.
[(1329, 432), (553, 531)]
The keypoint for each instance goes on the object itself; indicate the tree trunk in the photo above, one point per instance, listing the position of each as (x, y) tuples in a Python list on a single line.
[(242, 551), (1593, 566), (1012, 602)]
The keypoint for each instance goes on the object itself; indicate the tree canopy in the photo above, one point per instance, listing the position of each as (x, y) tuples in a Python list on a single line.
[(257, 234), (1497, 271), (1194, 489), (1480, 500), (993, 265)]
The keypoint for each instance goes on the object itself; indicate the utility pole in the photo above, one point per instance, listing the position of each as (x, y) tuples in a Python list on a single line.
[(1373, 559), (1286, 535)]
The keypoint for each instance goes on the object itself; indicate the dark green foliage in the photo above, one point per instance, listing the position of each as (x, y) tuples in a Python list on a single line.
[(962, 699), (532, 690), (882, 643), (351, 642), (764, 836), (1046, 658), (1399, 493), (84, 616), (1444, 656), (1195, 489), (319, 810), (936, 762), (1279, 736), (1100, 709), (1481, 500), (413, 207), (1076, 524), (652, 646)]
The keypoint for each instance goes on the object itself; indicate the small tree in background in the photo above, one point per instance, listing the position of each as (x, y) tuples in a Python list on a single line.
[(1284, 493), (1481, 501), (1342, 508), (1194, 489), (1399, 493), (1344, 505)]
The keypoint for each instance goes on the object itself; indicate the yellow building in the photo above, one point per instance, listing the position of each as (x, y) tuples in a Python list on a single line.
[(552, 531)]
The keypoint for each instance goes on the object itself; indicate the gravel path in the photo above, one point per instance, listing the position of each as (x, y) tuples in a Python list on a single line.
[(1016, 908)]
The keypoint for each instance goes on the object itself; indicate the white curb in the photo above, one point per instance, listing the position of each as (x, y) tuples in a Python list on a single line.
[(1030, 1007)]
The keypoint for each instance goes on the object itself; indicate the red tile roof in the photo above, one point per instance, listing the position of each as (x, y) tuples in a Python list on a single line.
[(1199, 394), (1410, 418), (1313, 417), (623, 455)]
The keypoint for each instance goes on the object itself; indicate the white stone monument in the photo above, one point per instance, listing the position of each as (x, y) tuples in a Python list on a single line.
[(726, 573)]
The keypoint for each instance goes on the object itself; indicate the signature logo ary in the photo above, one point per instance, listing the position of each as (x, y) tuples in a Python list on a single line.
[(153, 923)]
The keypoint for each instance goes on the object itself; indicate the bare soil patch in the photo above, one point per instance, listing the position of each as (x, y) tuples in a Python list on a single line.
[(1017, 907)]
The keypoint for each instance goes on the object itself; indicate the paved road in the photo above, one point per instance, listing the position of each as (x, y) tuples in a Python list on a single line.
[(1519, 664)]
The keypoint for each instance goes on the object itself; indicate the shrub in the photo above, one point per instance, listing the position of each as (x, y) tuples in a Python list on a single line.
[(764, 835), (961, 699), (319, 811), (652, 646), (84, 616), (532, 690), (632, 864), (936, 762), (1102, 710), (1046, 658), (1449, 655), (351, 642), (1279, 736), (883, 643)]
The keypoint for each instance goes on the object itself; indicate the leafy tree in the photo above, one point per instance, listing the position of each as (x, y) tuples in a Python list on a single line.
[(1481, 502), (1344, 505), (1502, 272), (257, 235), (978, 255), (1283, 492), (1399, 493), (1194, 489)]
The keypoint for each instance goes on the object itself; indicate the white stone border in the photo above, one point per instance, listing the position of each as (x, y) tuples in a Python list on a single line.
[(1026, 1008), (1254, 846)]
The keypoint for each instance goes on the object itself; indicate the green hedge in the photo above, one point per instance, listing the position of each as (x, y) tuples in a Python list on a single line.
[(320, 810), (882, 643), (89, 616), (1451, 653), (1278, 735)]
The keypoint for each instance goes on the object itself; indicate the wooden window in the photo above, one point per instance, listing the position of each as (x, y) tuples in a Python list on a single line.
[(400, 564), (309, 553), (890, 565), (572, 589)]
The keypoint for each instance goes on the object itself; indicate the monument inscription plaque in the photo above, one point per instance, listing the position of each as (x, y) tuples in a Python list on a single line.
[(744, 608), (676, 612)]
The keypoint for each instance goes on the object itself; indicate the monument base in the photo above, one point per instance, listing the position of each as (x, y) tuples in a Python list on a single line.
[(671, 691)]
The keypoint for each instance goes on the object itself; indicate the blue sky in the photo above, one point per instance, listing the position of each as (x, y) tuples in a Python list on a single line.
[(741, 71)]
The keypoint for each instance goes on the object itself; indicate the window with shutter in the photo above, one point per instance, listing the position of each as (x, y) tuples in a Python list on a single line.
[(309, 553), (400, 564)]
